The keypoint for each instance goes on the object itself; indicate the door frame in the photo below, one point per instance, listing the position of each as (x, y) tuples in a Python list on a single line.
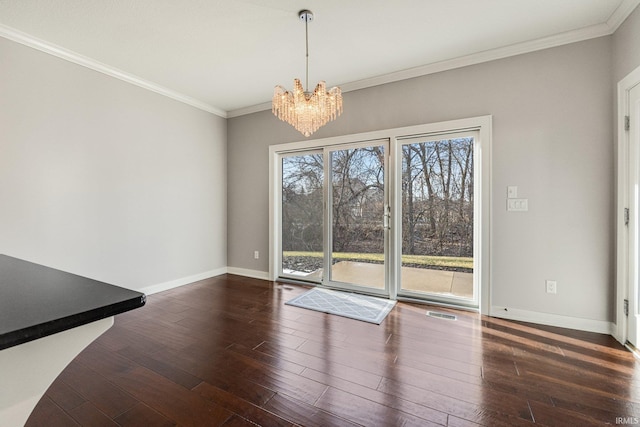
[(483, 124), (628, 176)]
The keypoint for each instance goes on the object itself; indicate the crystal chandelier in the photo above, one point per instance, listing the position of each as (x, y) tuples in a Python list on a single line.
[(307, 111)]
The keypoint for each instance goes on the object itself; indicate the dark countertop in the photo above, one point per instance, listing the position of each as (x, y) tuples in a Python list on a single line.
[(36, 301)]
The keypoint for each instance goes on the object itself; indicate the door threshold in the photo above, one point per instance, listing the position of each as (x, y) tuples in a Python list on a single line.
[(438, 304)]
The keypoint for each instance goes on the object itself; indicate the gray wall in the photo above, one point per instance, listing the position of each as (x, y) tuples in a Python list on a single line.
[(105, 179), (626, 54), (552, 121)]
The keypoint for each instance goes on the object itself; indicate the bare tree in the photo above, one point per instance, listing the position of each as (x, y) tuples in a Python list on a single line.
[(437, 199), (302, 201), (358, 199)]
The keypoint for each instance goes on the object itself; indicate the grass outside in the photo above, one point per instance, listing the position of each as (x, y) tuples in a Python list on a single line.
[(439, 261)]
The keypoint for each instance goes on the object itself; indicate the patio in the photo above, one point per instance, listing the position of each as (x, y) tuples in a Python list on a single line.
[(413, 279)]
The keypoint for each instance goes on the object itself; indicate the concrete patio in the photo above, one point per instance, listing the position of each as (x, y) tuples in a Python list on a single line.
[(413, 279)]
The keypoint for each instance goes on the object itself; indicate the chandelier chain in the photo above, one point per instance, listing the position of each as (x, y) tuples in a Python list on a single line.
[(306, 37)]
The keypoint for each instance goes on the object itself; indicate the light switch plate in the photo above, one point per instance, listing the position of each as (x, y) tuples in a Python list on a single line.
[(512, 192), (517, 205)]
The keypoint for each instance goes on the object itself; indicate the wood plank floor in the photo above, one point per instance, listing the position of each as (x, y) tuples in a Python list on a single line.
[(227, 352)]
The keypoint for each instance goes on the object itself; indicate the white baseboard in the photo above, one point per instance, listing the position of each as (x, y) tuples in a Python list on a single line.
[(149, 290), (589, 325), (254, 274)]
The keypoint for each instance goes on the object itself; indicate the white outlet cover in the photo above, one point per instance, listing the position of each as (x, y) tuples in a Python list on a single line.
[(551, 286)]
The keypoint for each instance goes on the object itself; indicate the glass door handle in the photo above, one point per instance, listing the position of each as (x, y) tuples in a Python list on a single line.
[(387, 217)]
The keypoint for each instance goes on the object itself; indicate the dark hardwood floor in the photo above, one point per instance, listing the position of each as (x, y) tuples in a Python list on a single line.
[(228, 352)]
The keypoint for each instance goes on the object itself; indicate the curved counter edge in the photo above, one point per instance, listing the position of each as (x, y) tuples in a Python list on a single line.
[(28, 370)]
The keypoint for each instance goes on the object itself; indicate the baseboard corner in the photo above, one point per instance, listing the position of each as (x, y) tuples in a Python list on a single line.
[(254, 274), (165, 286)]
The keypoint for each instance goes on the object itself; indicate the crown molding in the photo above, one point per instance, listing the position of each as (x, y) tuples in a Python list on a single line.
[(621, 14), (68, 55), (463, 61), (485, 56), (604, 29), (252, 109), (582, 34)]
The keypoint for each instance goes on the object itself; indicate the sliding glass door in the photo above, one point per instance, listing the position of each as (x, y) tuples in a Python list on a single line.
[(334, 216), (302, 221), (401, 213), (358, 217)]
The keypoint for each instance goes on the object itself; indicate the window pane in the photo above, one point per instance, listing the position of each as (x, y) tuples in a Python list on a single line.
[(437, 217), (302, 212), (358, 201)]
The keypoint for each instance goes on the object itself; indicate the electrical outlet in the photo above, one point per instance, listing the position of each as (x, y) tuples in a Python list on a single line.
[(552, 286), (256, 255)]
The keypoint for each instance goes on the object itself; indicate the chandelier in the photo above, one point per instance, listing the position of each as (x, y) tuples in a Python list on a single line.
[(307, 111)]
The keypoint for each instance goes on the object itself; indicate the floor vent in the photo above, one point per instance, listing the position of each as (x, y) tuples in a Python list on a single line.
[(441, 315)]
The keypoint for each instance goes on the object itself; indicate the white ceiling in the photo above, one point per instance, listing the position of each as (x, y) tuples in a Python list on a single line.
[(226, 56)]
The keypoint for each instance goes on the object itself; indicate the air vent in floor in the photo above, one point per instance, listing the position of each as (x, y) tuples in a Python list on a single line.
[(441, 315)]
